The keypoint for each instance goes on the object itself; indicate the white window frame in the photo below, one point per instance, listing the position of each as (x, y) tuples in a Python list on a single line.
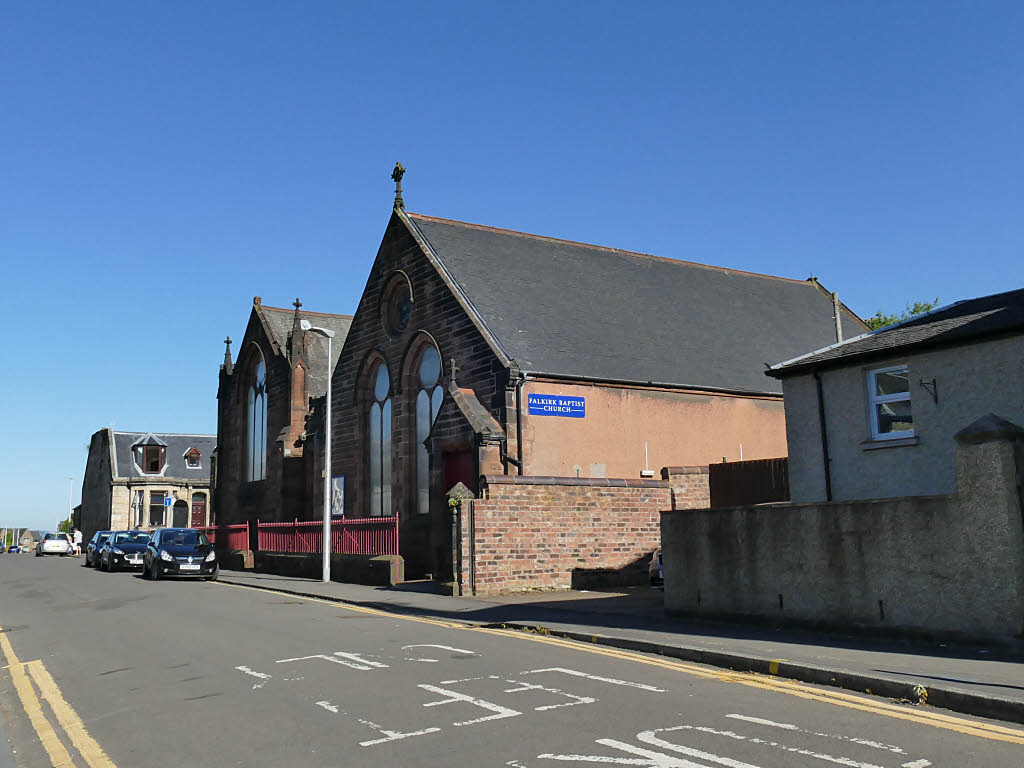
[(876, 399)]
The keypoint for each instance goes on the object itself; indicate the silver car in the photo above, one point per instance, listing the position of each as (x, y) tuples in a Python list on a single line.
[(655, 570), (55, 544)]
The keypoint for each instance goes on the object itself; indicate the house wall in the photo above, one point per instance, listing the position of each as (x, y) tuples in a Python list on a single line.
[(971, 380), (537, 532), (677, 427), (942, 564)]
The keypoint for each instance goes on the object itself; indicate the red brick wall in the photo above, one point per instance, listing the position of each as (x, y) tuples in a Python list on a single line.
[(690, 486), (539, 531)]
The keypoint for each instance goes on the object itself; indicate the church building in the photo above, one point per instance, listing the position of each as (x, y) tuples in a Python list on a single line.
[(481, 351), (265, 470)]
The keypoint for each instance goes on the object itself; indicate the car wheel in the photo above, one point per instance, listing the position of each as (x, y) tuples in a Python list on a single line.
[(216, 572)]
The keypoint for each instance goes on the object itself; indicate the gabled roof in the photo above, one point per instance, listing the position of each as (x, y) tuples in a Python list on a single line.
[(583, 311), (279, 324), (955, 324), (177, 446)]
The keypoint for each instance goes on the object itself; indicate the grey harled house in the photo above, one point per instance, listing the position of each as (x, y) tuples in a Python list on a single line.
[(460, 325), (875, 416), (128, 476)]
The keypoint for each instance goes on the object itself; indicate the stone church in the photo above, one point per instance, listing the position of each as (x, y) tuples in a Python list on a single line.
[(482, 351), (265, 467)]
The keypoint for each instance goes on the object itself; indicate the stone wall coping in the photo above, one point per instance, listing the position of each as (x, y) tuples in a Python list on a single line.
[(690, 470), (594, 482), (987, 429), (782, 506)]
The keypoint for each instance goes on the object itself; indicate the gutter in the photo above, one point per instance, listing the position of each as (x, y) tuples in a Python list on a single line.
[(658, 384)]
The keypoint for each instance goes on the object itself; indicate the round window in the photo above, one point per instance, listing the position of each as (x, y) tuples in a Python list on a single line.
[(396, 305)]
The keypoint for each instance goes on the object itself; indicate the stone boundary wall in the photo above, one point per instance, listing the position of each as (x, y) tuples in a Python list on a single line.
[(550, 532), (945, 565)]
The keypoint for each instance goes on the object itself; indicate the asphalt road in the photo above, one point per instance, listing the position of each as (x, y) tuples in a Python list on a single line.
[(130, 673)]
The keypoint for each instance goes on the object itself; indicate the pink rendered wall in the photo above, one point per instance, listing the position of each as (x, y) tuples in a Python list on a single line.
[(679, 429)]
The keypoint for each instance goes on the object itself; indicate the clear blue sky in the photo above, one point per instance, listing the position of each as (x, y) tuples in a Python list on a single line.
[(162, 163)]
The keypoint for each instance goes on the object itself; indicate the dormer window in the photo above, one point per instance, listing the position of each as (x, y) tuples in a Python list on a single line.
[(192, 459), (150, 458)]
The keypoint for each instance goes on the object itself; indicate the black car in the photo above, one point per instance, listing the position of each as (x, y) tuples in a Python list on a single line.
[(92, 549), (124, 549), (180, 552)]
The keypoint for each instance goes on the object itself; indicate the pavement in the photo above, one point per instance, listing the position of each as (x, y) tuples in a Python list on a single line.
[(986, 681)]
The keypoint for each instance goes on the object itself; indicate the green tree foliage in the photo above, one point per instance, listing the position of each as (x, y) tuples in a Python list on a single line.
[(880, 319)]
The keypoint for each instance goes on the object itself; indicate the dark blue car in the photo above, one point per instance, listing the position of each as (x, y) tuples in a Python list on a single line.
[(123, 550), (180, 552)]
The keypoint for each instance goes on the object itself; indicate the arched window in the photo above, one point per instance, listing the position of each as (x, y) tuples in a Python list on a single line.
[(257, 465), (380, 443), (428, 403)]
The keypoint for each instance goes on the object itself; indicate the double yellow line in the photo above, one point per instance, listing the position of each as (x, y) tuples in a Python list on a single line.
[(924, 716), (23, 676)]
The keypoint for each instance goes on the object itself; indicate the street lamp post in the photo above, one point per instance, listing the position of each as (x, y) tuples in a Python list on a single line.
[(306, 326), (71, 502)]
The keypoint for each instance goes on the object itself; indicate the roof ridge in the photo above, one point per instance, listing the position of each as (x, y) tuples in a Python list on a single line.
[(305, 312), (158, 434), (579, 244)]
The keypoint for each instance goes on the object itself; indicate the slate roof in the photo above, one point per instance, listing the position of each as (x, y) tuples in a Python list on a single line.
[(177, 446), (583, 311), (280, 323), (955, 324)]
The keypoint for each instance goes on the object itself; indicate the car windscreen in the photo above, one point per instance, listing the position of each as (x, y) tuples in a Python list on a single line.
[(139, 537), (122, 538), (56, 537), (184, 539), (102, 538)]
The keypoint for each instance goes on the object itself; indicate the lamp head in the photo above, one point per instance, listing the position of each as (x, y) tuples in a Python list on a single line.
[(305, 324)]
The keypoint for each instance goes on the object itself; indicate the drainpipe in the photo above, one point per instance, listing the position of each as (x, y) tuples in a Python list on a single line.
[(519, 421), (824, 436)]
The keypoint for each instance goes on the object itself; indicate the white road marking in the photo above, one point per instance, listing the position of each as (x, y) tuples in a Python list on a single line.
[(759, 721), (396, 736), (854, 739), (649, 737), (916, 764), (352, 660), (429, 661), (262, 676), (442, 647), (358, 658), (328, 706), (599, 679), (454, 696), (532, 687)]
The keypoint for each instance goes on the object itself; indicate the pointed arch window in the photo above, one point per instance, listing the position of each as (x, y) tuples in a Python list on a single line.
[(380, 443), (257, 464), (428, 403)]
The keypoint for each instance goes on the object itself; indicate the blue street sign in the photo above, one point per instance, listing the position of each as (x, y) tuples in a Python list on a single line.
[(168, 501), (557, 405)]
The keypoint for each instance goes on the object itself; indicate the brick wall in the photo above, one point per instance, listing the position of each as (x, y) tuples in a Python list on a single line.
[(690, 487), (551, 532)]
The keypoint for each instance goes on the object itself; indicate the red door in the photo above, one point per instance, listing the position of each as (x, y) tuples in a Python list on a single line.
[(198, 510), (458, 468)]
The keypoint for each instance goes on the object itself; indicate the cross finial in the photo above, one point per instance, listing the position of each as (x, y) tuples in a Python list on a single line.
[(454, 369), (227, 355), (397, 175), (297, 303)]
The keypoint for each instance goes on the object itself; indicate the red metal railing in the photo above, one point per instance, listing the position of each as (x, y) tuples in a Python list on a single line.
[(360, 536), (228, 536)]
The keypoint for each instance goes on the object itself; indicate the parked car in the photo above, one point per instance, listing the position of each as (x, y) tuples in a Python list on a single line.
[(180, 552), (55, 544), (123, 549), (13, 549), (655, 570), (92, 549)]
